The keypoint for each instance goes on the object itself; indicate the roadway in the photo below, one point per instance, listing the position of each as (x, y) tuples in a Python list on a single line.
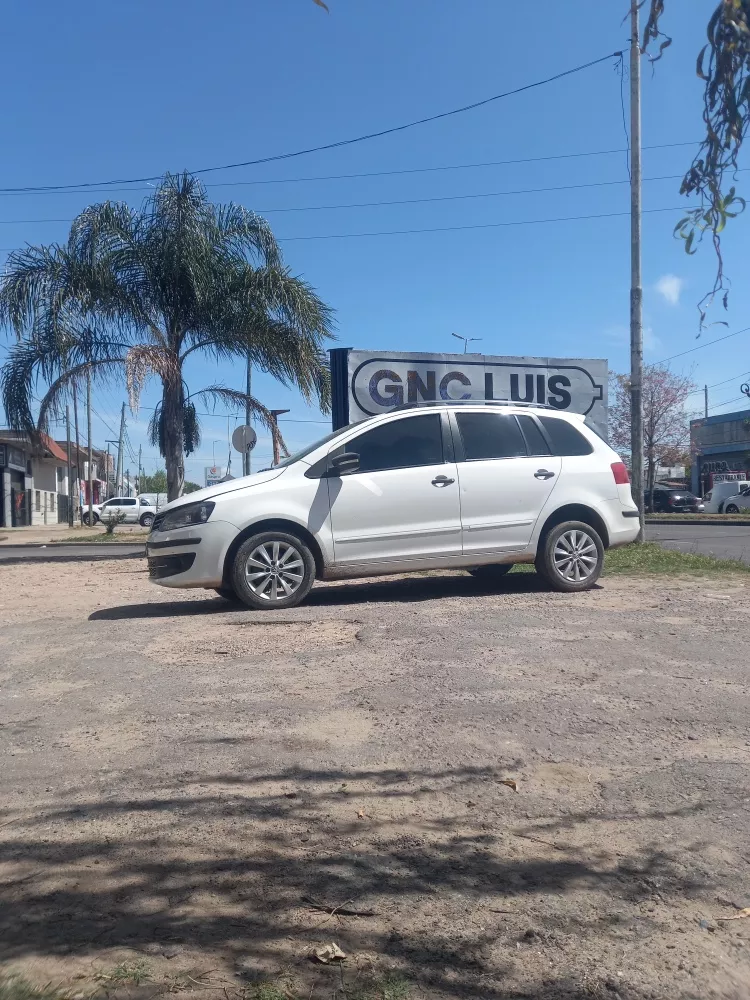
[(727, 541)]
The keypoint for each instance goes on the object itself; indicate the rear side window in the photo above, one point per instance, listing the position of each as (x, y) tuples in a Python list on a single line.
[(565, 438), (534, 437), (490, 435), (400, 444)]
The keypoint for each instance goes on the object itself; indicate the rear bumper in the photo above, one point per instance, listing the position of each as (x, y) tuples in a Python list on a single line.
[(190, 557), (622, 522)]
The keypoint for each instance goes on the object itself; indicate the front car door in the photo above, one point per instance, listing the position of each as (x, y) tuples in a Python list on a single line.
[(401, 505), (506, 474)]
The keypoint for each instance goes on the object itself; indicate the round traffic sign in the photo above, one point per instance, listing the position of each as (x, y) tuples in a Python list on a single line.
[(244, 438)]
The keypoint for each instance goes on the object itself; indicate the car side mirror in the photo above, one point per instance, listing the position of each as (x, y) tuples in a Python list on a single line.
[(344, 465)]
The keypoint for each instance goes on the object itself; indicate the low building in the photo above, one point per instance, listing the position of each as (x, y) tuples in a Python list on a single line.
[(720, 449), (34, 480)]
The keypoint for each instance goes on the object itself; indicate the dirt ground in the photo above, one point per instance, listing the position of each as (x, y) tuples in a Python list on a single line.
[(180, 778)]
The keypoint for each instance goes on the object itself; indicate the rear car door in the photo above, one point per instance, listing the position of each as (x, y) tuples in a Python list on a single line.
[(129, 506), (402, 503), (506, 473)]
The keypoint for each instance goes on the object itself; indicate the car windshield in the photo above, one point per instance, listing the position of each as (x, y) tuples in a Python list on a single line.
[(312, 447)]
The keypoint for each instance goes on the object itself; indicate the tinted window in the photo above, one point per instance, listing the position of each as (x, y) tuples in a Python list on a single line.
[(400, 444), (566, 440), (490, 435), (534, 437), (128, 502)]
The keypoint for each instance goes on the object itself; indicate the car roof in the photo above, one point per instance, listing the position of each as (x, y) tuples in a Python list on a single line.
[(506, 403)]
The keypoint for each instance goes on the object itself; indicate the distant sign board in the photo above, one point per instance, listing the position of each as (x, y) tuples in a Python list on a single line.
[(214, 474), (369, 382)]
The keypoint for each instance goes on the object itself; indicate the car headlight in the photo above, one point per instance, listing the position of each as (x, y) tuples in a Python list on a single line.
[(191, 513)]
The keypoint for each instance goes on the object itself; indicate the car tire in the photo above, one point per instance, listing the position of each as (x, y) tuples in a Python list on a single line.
[(86, 520), (494, 572), (271, 564), (227, 594), (147, 520), (731, 508), (569, 550)]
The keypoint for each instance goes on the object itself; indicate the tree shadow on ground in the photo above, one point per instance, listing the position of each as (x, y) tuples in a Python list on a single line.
[(224, 864)]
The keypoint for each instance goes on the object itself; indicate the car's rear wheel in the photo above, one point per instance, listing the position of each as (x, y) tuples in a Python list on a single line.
[(571, 557), (273, 570), (147, 520), (731, 508), (490, 573), (89, 521)]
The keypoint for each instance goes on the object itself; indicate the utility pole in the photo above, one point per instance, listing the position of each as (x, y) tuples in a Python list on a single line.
[(636, 288), (705, 400), (248, 392), (91, 449), (140, 490), (78, 454), (70, 477), (275, 414), (118, 475), (127, 480)]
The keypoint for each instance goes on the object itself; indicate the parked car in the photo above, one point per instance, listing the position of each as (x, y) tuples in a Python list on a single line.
[(720, 493), (134, 510), (737, 503), (478, 486), (669, 500)]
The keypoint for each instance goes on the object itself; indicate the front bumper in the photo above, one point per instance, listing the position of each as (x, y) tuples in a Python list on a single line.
[(193, 556)]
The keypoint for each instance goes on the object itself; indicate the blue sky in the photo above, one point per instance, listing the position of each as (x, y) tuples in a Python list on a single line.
[(97, 91)]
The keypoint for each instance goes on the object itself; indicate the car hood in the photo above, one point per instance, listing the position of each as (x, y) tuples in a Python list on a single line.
[(211, 492)]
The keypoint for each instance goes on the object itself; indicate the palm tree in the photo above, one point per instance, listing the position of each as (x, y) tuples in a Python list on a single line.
[(137, 292)]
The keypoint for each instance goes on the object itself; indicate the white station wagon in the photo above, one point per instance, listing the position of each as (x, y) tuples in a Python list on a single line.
[(476, 485)]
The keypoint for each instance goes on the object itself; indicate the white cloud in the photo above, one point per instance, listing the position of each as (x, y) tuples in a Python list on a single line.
[(669, 286), (650, 341)]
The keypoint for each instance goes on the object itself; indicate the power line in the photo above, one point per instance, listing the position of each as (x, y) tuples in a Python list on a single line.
[(732, 378), (341, 142), (453, 229), (415, 201), (726, 401), (13, 192), (700, 347), (483, 225)]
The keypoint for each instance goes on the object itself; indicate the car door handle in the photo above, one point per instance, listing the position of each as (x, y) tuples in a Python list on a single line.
[(543, 474), (442, 481)]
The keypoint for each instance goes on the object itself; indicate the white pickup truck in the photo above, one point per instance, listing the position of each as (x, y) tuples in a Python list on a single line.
[(137, 510)]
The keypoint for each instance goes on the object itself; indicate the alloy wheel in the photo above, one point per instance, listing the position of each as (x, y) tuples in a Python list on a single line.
[(274, 571), (575, 555)]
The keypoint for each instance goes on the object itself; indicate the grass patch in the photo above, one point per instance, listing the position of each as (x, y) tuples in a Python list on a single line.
[(18, 988), (126, 539), (389, 988), (687, 518), (652, 558), (126, 974)]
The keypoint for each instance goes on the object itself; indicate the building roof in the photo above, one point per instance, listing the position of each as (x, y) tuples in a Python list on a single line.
[(49, 448)]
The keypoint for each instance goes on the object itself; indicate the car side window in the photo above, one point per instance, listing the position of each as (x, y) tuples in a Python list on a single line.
[(565, 438), (400, 444), (490, 435), (128, 502), (534, 437)]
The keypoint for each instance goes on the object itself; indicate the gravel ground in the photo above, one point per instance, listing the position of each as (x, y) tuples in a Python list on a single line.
[(180, 776)]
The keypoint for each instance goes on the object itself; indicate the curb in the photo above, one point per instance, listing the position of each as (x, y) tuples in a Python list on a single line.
[(739, 522), (18, 560)]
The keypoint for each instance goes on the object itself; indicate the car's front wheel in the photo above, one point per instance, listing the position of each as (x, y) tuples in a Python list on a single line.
[(273, 570), (571, 557), (731, 508), (147, 520)]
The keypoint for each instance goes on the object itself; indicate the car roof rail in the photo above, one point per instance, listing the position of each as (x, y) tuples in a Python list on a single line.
[(473, 402)]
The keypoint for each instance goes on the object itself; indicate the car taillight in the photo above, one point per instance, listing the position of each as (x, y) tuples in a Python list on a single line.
[(620, 472), (671, 499)]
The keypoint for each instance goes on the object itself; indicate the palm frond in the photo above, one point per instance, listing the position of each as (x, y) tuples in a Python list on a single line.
[(213, 394)]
